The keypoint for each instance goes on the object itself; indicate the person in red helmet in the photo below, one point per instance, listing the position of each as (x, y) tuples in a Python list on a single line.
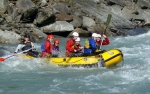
[(70, 43), (55, 48), (46, 47)]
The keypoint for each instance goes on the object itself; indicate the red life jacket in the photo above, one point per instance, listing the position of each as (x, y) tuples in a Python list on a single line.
[(46, 47), (105, 42), (76, 47), (69, 46)]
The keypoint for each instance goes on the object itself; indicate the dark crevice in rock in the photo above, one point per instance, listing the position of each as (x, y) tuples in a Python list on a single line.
[(136, 13), (144, 7), (62, 34), (111, 3), (29, 18), (48, 21), (135, 1)]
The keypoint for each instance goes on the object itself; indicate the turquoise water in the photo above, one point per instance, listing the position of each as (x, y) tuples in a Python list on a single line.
[(35, 76)]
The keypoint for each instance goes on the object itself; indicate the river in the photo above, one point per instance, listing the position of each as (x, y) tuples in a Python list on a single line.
[(34, 76)]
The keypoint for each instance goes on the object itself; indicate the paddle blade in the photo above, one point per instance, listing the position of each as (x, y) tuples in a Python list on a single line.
[(2, 59), (108, 19)]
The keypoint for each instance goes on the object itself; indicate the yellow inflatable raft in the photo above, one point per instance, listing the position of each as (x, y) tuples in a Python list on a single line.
[(106, 59), (112, 57)]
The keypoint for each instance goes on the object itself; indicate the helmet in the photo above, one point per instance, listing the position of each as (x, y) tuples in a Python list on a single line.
[(56, 41), (27, 36), (98, 35), (78, 39), (50, 37), (75, 34), (94, 35)]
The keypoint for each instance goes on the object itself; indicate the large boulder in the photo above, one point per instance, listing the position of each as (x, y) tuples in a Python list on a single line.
[(38, 34), (88, 22), (45, 16), (61, 8), (27, 9), (24, 5), (82, 33), (3, 5), (144, 15), (77, 22), (58, 26), (9, 37), (144, 4), (116, 9)]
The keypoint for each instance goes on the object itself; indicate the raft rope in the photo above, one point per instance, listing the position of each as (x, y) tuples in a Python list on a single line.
[(113, 57)]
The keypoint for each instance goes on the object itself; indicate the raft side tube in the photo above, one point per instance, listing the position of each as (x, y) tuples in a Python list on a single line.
[(112, 57)]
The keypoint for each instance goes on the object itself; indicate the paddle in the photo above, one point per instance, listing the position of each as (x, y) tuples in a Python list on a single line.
[(4, 58), (107, 23)]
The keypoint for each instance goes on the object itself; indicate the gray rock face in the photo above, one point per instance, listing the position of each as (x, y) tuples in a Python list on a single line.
[(77, 22), (45, 16), (58, 26), (88, 22), (8, 37), (3, 6), (144, 4), (24, 5), (84, 16)]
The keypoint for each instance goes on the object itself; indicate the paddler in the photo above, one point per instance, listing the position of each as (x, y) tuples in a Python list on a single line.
[(26, 44), (55, 48), (90, 45), (46, 47), (100, 42), (70, 43)]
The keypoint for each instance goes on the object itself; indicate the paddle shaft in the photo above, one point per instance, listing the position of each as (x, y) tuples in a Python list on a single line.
[(107, 23), (4, 58)]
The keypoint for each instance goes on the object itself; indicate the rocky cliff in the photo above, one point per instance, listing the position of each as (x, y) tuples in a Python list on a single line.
[(61, 17)]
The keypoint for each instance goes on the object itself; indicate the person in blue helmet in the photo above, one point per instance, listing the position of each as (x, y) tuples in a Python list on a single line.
[(90, 44)]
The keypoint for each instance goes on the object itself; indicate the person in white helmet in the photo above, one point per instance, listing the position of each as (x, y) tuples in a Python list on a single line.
[(100, 42), (90, 44), (70, 43), (78, 48)]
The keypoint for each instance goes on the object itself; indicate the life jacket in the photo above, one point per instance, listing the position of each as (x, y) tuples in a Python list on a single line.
[(56, 48), (69, 45), (27, 46), (86, 44), (55, 51), (43, 47), (76, 47)]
